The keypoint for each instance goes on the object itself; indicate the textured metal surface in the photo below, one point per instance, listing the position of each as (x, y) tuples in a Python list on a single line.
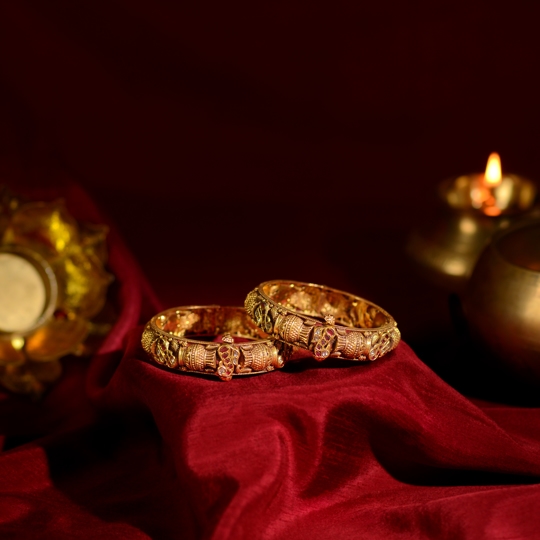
[(502, 300), (328, 322), (175, 338)]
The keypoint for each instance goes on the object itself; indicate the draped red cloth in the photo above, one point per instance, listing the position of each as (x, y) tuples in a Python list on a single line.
[(248, 141), (122, 448)]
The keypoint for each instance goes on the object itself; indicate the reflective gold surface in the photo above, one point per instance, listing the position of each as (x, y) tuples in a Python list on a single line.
[(447, 249), (514, 194), (175, 338), (318, 301), (502, 299), (53, 281), (323, 320)]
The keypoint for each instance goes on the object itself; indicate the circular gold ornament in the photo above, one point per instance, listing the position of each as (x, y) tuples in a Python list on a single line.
[(52, 283), (176, 338), (325, 321)]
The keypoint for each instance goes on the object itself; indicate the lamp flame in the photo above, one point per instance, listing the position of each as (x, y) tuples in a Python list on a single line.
[(493, 175)]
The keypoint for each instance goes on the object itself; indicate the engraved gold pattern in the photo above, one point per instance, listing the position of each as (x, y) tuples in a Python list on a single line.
[(172, 338), (355, 345), (353, 328), (147, 338), (291, 327)]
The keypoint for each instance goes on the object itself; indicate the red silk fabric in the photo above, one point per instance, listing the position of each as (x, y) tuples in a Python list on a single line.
[(122, 448)]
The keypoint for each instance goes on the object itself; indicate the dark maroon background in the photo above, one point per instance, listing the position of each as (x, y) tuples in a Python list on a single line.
[(235, 143)]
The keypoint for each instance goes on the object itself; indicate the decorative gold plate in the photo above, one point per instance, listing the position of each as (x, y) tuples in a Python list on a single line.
[(52, 283)]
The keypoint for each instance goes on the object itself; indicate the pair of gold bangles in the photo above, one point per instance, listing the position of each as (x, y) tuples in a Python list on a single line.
[(280, 318)]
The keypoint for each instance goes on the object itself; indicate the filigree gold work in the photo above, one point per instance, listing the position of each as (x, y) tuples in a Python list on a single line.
[(226, 359), (324, 339), (353, 328)]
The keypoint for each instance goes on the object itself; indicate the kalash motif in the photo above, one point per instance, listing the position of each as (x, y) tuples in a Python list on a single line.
[(52, 283)]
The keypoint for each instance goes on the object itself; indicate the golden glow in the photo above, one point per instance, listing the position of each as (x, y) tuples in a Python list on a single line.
[(505, 192), (493, 174), (467, 225), (17, 343), (492, 211), (478, 196), (60, 231), (455, 267), (489, 192)]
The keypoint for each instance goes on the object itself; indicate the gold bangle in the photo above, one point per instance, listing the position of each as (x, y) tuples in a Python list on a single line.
[(325, 321), (169, 340)]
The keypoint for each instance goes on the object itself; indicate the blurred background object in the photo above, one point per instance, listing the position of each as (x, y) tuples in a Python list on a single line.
[(472, 208), (502, 300), (53, 283)]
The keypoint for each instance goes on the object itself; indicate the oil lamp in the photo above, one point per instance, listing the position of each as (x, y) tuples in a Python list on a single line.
[(472, 208)]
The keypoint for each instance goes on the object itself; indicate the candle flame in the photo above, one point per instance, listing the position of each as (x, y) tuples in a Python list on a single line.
[(493, 176)]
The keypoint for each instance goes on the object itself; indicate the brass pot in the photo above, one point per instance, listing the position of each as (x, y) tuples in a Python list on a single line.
[(502, 299), (446, 250), (447, 247)]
